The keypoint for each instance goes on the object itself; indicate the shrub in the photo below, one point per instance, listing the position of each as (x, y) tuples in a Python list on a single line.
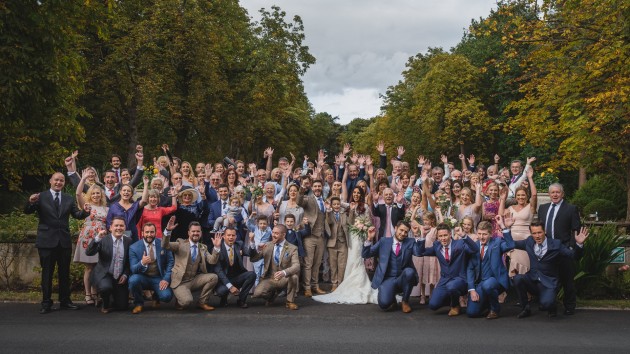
[(602, 187), (606, 210)]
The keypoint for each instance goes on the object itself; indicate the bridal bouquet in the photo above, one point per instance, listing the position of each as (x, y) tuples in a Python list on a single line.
[(361, 225)]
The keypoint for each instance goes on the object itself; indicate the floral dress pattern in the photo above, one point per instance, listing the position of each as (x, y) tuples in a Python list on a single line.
[(92, 224)]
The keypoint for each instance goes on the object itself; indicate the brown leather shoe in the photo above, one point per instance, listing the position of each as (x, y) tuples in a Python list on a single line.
[(334, 287), (308, 293), (405, 307), (319, 291), (136, 310), (156, 304), (292, 305), (492, 315), (454, 311), (205, 307)]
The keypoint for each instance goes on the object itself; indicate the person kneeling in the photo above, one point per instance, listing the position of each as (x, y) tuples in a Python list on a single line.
[(150, 269), (281, 267), (487, 275)]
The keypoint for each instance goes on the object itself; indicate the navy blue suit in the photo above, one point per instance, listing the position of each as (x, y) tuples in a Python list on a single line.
[(140, 281), (295, 238), (236, 274), (488, 276), (394, 273), (452, 282), (543, 274), (216, 211)]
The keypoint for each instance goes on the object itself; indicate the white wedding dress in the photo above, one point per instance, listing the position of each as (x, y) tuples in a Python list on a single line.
[(356, 287)]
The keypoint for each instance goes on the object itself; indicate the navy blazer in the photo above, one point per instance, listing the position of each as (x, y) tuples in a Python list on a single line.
[(215, 213), (383, 249), (494, 254), (295, 238), (456, 268), (545, 269), (164, 259), (223, 264), (53, 228), (567, 221)]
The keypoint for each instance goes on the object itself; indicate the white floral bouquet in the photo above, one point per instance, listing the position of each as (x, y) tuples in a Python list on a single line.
[(450, 221), (360, 228)]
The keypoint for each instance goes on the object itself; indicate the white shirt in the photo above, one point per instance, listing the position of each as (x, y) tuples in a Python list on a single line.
[(394, 244), (53, 192), (450, 250), (540, 249), (550, 233)]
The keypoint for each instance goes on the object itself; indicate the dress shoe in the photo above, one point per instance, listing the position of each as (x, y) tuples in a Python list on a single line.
[(69, 306), (205, 307), (308, 293), (268, 303), (405, 307), (223, 302), (156, 304), (569, 312), (242, 304), (106, 310), (319, 291), (136, 310), (178, 306), (492, 315), (392, 307), (44, 310), (292, 305), (525, 313), (334, 287), (454, 311)]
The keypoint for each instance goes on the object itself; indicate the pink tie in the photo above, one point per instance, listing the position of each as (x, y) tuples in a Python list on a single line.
[(397, 249), (388, 222)]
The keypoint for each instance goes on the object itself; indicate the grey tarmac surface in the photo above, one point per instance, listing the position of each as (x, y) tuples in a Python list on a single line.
[(314, 328)]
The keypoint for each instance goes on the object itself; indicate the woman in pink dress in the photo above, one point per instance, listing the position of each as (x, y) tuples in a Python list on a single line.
[(491, 208), (428, 268)]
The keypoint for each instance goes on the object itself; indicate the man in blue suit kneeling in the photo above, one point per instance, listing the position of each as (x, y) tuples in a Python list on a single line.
[(487, 275), (151, 267), (395, 271)]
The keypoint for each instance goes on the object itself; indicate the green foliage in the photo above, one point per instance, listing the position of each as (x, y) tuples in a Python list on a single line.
[(15, 226), (76, 277), (605, 209), (598, 253), (602, 187)]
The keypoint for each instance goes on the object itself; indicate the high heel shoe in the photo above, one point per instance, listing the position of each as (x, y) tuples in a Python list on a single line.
[(89, 300), (97, 300)]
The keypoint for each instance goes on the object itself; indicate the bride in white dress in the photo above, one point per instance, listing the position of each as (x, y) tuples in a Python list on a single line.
[(356, 287)]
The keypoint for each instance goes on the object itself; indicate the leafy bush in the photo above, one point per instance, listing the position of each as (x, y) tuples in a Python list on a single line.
[(598, 253), (605, 209), (602, 187), (14, 226), (76, 277)]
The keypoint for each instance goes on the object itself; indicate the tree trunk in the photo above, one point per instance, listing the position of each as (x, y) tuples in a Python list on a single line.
[(132, 135), (582, 177), (628, 190)]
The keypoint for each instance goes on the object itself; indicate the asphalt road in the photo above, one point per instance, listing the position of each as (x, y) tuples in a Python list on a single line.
[(314, 328)]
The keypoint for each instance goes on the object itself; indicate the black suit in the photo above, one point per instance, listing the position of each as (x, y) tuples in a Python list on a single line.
[(565, 224), (53, 241), (380, 211), (103, 279), (236, 274)]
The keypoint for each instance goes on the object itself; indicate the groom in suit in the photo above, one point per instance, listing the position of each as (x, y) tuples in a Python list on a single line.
[(396, 271), (53, 239), (452, 256), (234, 278), (562, 222), (487, 275), (545, 257), (150, 267), (112, 271)]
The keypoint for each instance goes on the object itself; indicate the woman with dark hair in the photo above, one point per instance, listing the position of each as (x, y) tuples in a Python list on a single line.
[(127, 209), (356, 287)]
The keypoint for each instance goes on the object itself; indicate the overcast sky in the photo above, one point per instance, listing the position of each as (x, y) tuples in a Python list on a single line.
[(362, 46)]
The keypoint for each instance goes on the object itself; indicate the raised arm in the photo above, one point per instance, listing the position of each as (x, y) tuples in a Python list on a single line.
[(269, 155), (344, 186), (80, 186), (533, 199), (145, 192), (478, 199)]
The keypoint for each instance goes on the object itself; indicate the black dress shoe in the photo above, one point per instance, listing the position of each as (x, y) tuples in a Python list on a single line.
[(569, 312), (69, 306), (45, 310), (242, 304), (223, 302), (524, 313)]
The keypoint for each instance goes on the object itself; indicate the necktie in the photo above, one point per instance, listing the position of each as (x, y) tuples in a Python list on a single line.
[(194, 253), (482, 250), (57, 201), (151, 252), (321, 204), (224, 203), (397, 249), (231, 256), (446, 256), (549, 223), (539, 251), (388, 222), (337, 216), (117, 260), (276, 255), (111, 193)]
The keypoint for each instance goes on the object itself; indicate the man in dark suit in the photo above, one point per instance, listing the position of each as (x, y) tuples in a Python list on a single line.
[(395, 271), (487, 275), (53, 239), (221, 206), (112, 271), (562, 222), (390, 214), (452, 256), (234, 278), (545, 257), (151, 268)]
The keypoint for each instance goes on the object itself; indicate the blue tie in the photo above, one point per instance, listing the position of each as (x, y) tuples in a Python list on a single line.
[(194, 253), (321, 204), (276, 256), (549, 223)]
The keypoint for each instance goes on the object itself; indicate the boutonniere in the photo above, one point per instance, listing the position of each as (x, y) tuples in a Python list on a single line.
[(162, 252)]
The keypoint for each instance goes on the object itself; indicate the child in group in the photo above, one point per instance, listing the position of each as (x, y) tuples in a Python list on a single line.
[(337, 229), (233, 210), (262, 234)]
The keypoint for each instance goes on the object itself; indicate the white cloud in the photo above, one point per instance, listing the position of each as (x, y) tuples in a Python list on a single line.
[(362, 46)]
